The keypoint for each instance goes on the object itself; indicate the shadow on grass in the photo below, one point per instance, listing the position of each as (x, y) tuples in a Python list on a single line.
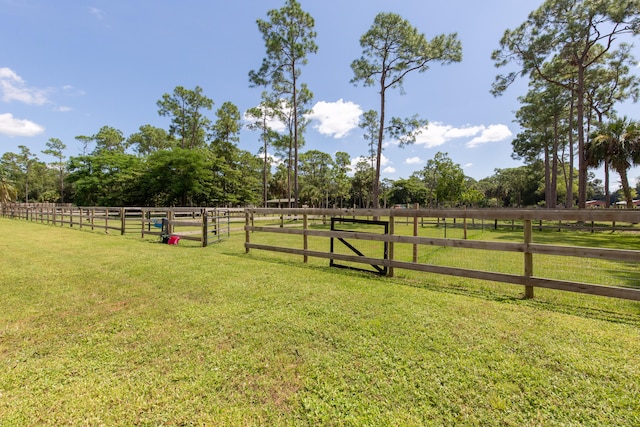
[(629, 274), (588, 308), (628, 316), (589, 312)]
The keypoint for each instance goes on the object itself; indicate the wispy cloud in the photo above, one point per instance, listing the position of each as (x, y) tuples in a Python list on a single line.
[(98, 13), (413, 161), (335, 119), (12, 126), (72, 91), (14, 88)]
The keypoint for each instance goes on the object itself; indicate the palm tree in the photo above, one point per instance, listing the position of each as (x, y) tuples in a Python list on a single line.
[(8, 192), (617, 145)]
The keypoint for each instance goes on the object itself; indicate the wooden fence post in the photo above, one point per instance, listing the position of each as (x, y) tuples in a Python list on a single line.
[(528, 257), (392, 227), (143, 220), (415, 232), (205, 227), (247, 221), (464, 226), (92, 217), (305, 237), (123, 221), (171, 216)]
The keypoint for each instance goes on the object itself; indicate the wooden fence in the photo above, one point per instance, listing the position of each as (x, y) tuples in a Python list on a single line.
[(204, 225), (527, 221)]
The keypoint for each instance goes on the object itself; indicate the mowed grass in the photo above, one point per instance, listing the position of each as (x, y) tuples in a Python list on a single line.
[(100, 329)]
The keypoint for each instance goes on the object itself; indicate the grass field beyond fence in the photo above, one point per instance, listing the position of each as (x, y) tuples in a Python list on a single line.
[(582, 260), (98, 329)]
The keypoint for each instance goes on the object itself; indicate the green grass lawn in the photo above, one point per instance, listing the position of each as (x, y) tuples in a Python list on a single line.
[(100, 329)]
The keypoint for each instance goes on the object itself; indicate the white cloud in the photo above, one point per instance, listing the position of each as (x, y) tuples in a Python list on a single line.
[(389, 169), (437, 134), (335, 119), (493, 133), (276, 125), (463, 132), (12, 126), (467, 166), (14, 88), (8, 73), (433, 135), (413, 161)]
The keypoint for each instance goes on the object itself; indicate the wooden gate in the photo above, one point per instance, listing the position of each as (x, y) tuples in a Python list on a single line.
[(369, 226)]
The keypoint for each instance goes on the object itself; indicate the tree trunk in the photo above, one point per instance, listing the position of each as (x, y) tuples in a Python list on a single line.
[(376, 175), (569, 199), (266, 162), (547, 178), (582, 161), (295, 136), (625, 188), (554, 165)]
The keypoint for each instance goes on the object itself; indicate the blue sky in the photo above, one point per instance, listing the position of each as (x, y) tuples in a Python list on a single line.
[(70, 67)]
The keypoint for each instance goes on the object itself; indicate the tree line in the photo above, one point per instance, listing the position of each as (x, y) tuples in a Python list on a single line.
[(577, 73)]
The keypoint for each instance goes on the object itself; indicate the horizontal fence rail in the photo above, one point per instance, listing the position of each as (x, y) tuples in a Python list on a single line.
[(204, 225), (295, 222)]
